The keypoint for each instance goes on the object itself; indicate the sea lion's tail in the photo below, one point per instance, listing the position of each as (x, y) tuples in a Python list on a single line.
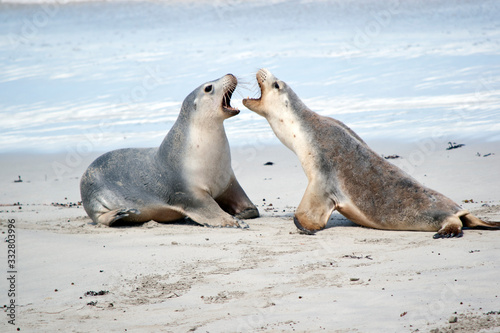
[(470, 221)]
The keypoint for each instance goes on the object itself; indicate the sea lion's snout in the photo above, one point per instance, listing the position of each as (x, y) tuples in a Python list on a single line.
[(264, 77), (230, 80), (255, 104)]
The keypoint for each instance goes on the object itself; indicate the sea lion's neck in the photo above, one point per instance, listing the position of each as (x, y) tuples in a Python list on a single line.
[(196, 136), (207, 137), (207, 158), (201, 150), (289, 129)]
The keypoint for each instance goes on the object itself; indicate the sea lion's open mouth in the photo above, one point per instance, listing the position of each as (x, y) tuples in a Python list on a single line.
[(254, 103), (257, 99), (226, 99)]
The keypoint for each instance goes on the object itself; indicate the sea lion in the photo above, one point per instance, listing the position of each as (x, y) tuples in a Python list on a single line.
[(344, 174), (189, 175)]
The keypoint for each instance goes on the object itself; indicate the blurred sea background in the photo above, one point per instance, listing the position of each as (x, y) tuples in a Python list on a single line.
[(95, 76)]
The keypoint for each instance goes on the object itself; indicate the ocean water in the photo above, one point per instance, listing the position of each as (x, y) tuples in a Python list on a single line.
[(94, 76)]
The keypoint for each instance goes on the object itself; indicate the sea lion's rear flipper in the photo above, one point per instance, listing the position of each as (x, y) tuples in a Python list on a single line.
[(314, 209), (207, 212), (471, 221), (113, 216), (235, 202)]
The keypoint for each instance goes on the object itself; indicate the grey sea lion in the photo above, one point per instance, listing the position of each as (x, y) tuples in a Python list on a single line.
[(189, 175), (344, 174)]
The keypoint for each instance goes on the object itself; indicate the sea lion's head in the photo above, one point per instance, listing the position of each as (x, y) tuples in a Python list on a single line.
[(276, 97), (212, 100)]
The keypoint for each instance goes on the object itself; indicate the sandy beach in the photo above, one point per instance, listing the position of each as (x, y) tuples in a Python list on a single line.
[(177, 278)]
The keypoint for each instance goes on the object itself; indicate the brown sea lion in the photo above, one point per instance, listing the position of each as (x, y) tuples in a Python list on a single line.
[(346, 175)]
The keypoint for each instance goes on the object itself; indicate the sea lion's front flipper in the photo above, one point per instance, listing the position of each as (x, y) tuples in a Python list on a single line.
[(451, 227), (207, 212), (314, 210), (235, 202)]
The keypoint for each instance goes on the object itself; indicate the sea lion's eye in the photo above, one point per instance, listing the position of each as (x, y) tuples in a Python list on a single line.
[(276, 85), (208, 88)]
